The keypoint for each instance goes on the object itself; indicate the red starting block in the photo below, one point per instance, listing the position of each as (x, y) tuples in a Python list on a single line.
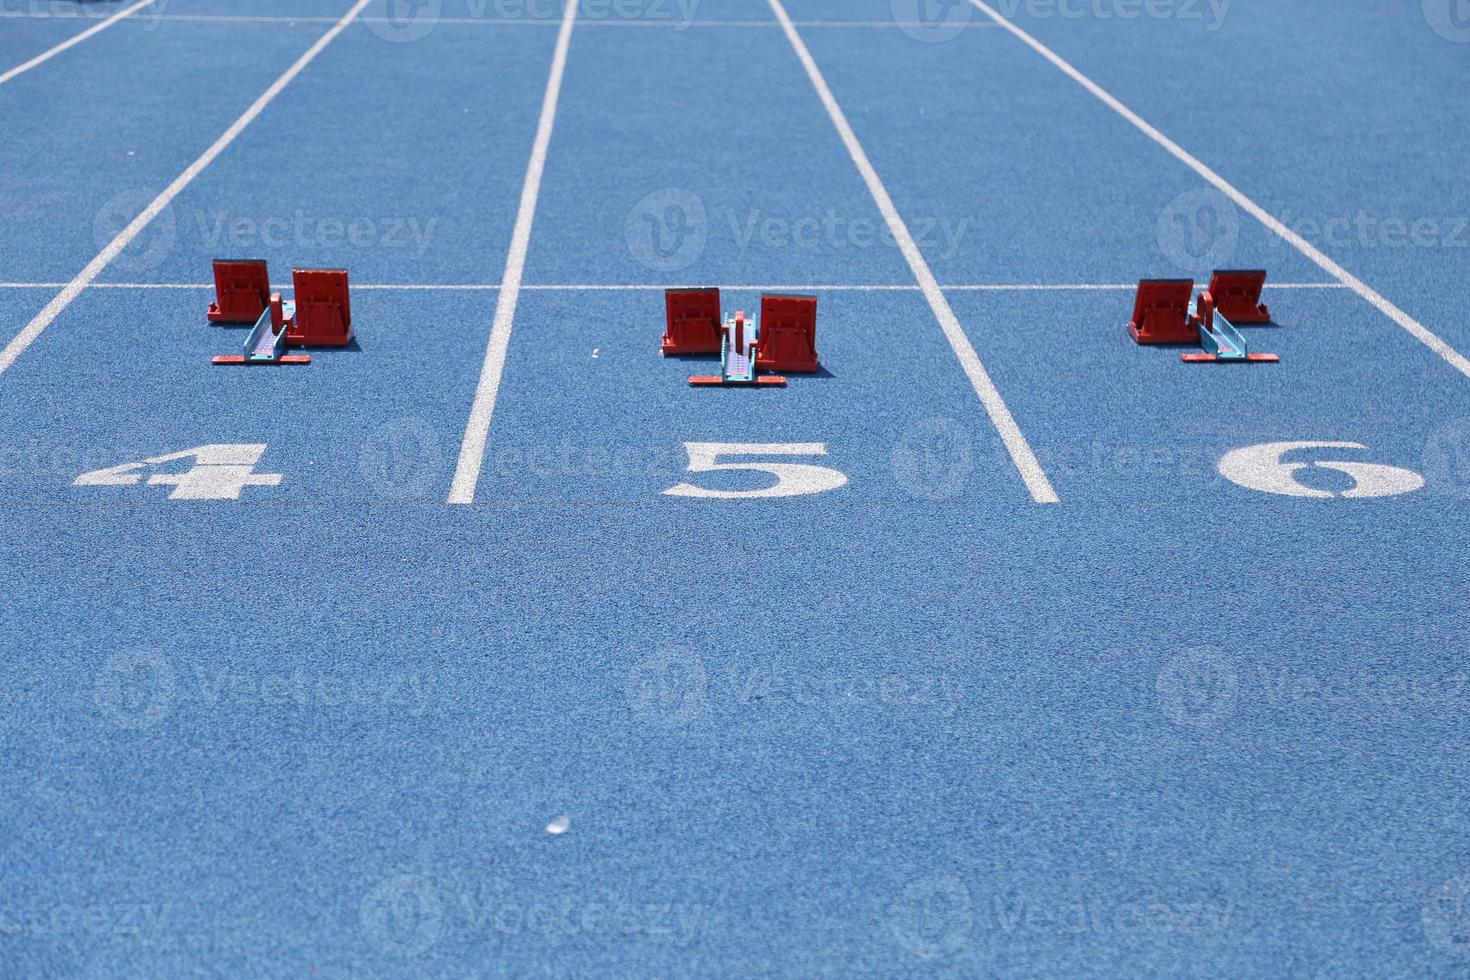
[(788, 334), (1237, 294), (1161, 312), (323, 312), (693, 321), (242, 290)]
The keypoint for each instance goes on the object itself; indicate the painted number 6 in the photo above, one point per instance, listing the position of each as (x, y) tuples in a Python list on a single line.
[(792, 479), (1262, 468)]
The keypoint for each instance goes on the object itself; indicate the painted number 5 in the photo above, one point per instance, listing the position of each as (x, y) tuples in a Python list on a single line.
[(792, 479)]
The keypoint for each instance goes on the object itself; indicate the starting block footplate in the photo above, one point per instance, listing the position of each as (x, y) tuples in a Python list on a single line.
[(239, 359), (715, 381), (1202, 358)]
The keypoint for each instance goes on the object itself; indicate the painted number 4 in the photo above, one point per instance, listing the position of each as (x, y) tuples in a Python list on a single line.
[(792, 479), (219, 472)]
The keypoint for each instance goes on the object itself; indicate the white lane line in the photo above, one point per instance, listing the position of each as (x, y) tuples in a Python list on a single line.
[(987, 287), (788, 288), (667, 23), (46, 56), (1105, 287), (1416, 329), (459, 287), (73, 289), (477, 429), (1024, 459)]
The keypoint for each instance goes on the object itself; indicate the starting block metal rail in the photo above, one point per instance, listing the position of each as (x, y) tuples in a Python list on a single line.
[(266, 343), (1219, 337), (738, 357)]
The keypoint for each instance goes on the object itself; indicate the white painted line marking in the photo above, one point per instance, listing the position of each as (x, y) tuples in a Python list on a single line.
[(450, 287), (73, 289), (667, 23), (1024, 459), (477, 429), (987, 287), (655, 287), (429, 287), (1105, 287), (46, 56), (1416, 329)]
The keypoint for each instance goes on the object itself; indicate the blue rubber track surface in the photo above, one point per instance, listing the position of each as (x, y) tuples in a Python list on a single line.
[(1198, 718)]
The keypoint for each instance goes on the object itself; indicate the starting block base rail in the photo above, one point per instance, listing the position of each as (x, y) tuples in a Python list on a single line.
[(266, 344), (239, 359), (1221, 342), (715, 381), (740, 346), (1217, 359)]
